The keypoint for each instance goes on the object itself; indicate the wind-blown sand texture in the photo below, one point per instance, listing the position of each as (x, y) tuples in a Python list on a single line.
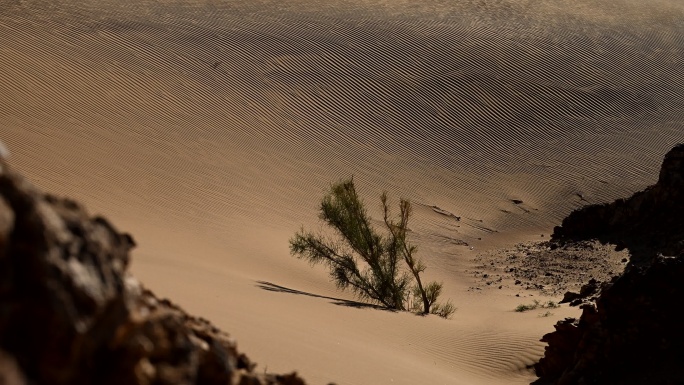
[(210, 130)]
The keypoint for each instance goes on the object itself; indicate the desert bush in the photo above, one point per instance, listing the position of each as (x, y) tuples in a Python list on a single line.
[(536, 304), (522, 307), (445, 310), (365, 261)]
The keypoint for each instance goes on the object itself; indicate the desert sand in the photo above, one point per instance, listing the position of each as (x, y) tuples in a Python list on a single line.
[(210, 130)]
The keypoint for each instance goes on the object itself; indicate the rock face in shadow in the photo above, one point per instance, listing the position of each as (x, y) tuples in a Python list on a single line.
[(632, 333), (648, 222), (70, 313)]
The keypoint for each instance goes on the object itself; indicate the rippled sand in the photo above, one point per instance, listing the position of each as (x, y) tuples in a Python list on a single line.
[(210, 130)]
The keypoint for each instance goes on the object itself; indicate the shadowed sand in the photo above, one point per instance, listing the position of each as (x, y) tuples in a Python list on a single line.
[(210, 130)]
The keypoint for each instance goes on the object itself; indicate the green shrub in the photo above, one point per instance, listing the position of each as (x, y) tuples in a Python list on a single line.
[(444, 310), (365, 261), (536, 304), (521, 308)]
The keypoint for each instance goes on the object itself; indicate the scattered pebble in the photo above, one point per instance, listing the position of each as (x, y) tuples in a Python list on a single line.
[(549, 268)]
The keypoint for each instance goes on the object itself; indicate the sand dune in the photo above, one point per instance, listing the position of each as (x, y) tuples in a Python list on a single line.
[(210, 131)]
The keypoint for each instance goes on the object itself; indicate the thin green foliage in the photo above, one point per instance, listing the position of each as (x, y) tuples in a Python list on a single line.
[(536, 304), (365, 261)]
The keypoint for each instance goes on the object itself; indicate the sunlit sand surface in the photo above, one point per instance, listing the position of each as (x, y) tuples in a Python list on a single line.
[(210, 131)]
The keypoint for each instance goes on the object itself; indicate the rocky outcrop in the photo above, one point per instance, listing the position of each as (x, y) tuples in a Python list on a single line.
[(588, 292), (631, 335), (70, 313), (630, 332), (649, 222)]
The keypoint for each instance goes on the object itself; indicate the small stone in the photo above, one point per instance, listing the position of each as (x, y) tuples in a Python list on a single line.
[(576, 302)]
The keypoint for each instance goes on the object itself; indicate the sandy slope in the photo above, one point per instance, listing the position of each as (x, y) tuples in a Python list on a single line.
[(210, 130)]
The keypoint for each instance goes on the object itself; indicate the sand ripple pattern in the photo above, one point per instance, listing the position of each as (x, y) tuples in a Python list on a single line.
[(224, 121), (490, 101)]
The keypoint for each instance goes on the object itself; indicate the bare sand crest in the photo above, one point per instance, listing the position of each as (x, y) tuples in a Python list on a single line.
[(210, 131)]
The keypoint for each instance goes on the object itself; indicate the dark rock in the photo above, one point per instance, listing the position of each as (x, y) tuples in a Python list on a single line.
[(70, 313), (562, 345), (570, 296), (589, 288), (587, 293), (648, 222), (631, 333)]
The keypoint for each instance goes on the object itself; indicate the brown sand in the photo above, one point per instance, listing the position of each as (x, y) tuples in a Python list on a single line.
[(210, 130)]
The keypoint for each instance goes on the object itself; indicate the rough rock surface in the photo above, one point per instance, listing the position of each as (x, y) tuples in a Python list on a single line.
[(649, 221), (588, 293), (70, 313), (632, 333)]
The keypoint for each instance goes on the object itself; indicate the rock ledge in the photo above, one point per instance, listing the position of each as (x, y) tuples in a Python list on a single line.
[(70, 313), (630, 332)]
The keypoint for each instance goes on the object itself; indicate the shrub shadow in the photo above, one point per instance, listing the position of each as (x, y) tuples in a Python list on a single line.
[(335, 301)]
